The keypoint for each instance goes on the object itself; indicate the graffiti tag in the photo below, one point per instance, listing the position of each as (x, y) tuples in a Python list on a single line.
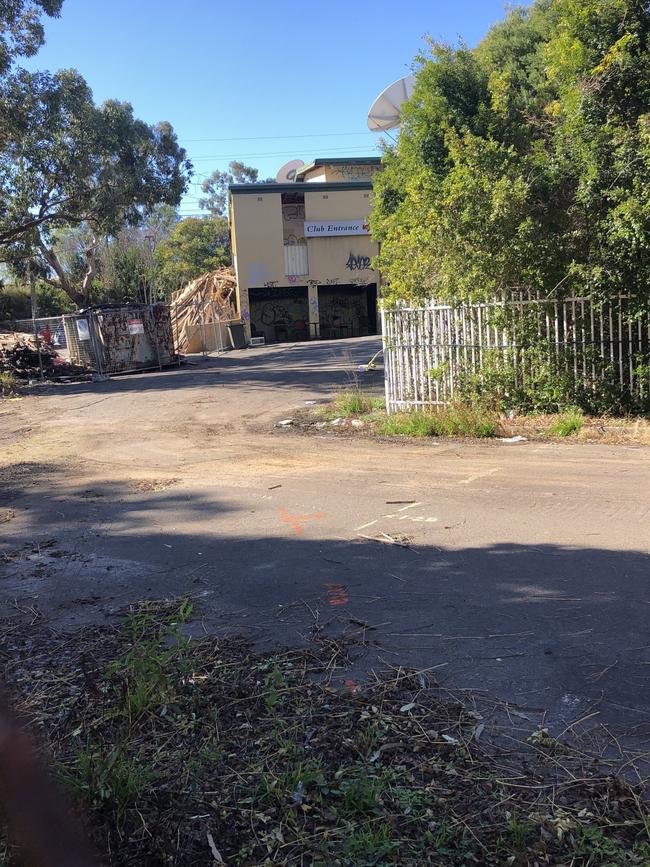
[(358, 263), (275, 314)]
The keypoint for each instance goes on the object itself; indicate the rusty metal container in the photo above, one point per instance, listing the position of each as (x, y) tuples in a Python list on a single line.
[(120, 339)]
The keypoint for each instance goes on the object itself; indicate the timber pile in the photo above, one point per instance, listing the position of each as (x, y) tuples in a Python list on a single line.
[(19, 357), (206, 300)]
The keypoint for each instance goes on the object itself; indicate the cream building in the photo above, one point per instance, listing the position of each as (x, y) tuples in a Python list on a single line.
[(303, 253)]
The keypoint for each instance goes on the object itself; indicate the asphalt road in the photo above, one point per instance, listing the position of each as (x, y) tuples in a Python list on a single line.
[(526, 572)]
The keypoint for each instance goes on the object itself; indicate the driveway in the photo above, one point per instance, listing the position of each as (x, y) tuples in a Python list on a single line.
[(522, 571)]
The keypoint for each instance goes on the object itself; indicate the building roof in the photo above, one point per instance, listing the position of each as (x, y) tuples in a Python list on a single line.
[(298, 187), (339, 161)]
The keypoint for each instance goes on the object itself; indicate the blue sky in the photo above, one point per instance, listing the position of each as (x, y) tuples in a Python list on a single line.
[(260, 81)]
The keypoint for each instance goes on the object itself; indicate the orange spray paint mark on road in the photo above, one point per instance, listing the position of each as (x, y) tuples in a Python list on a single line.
[(297, 521), (337, 594)]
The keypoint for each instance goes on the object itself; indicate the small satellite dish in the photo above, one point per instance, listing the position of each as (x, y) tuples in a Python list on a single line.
[(287, 173), (385, 111)]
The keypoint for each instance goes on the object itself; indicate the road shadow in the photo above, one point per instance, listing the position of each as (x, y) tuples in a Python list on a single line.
[(318, 367), (558, 632)]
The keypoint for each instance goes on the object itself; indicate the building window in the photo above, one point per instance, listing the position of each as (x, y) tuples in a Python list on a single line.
[(296, 263)]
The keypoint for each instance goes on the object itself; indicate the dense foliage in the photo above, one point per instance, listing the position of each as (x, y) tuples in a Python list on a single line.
[(21, 29), (195, 245), (525, 163)]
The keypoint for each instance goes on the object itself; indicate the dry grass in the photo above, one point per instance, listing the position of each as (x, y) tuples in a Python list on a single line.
[(175, 750)]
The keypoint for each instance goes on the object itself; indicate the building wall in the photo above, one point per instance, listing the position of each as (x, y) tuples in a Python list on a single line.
[(348, 172), (259, 244), (258, 238), (329, 258)]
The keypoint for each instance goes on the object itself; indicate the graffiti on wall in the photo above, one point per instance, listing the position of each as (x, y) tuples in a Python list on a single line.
[(344, 311), (293, 212), (275, 314), (280, 313), (358, 263), (355, 173)]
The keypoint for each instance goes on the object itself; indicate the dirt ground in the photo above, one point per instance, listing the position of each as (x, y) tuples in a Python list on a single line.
[(520, 569)]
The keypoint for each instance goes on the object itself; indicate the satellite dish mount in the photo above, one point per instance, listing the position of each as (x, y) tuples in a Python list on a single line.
[(287, 174)]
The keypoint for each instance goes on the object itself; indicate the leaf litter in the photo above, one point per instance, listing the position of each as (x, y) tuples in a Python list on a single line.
[(187, 751)]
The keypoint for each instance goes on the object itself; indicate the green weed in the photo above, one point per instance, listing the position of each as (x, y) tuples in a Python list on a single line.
[(567, 424), (295, 780), (8, 384), (369, 845), (442, 836), (455, 420), (602, 850), (353, 401), (150, 670), (361, 794), (111, 778), (273, 684), (519, 833)]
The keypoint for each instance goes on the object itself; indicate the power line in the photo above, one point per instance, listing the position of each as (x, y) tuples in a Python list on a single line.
[(272, 154), (276, 137)]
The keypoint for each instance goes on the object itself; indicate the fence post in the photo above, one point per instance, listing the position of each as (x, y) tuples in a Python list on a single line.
[(97, 347), (154, 332), (387, 376), (37, 341)]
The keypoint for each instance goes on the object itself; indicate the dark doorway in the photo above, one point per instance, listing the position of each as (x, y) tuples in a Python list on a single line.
[(280, 314), (347, 310)]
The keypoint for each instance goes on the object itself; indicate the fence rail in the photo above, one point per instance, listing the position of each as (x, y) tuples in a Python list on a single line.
[(430, 351)]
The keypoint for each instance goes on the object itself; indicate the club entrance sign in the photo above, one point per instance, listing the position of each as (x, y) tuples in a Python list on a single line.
[(329, 228)]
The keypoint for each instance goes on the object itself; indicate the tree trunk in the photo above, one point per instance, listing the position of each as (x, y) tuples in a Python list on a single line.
[(89, 276), (79, 298)]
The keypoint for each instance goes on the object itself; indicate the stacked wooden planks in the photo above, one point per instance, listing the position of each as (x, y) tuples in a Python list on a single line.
[(199, 306)]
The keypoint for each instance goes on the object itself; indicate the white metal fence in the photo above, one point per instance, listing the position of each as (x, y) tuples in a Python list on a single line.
[(430, 351)]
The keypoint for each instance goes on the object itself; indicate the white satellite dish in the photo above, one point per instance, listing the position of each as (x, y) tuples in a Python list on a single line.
[(385, 111), (287, 173)]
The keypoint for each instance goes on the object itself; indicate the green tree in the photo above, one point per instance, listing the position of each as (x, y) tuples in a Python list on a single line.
[(216, 186), (196, 245), (21, 30), (73, 163), (127, 269), (525, 163)]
